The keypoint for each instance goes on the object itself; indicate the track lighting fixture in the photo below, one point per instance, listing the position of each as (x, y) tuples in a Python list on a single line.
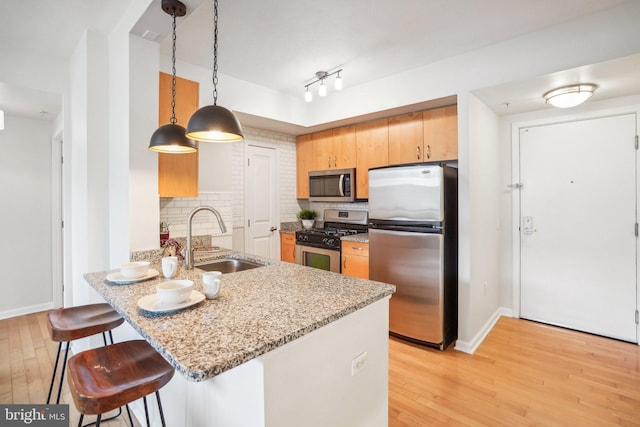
[(321, 76)]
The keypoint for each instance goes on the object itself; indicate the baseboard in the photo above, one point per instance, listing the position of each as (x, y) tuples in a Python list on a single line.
[(471, 346), (7, 314)]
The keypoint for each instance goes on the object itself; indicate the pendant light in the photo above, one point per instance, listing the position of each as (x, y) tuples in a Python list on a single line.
[(214, 123), (171, 138)]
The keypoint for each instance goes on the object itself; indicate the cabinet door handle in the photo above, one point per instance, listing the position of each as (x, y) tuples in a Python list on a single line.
[(357, 248), (344, 262), (329, 161), (293, 252), (427, 152), (335, 161), (418, 152)]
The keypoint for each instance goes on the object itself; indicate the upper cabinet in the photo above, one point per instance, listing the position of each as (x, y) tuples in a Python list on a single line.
[(304, 163), (334, 148), (344, 147), (177, 173), (441, 133), (424, 136), (406, 139), (372, 150)]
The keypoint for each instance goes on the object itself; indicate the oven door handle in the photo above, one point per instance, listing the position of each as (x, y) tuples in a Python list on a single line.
[(341, 185)]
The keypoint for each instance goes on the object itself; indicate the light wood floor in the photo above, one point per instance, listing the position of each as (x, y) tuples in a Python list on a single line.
[(524, 373), (27, 356)]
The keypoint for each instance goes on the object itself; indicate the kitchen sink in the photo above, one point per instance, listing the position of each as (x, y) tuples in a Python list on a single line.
[(228, 265)]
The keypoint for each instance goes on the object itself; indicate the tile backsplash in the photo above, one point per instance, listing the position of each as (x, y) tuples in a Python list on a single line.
[(174, 211)]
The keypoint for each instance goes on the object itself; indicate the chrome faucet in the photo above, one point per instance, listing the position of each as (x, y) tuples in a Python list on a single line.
[(188, 256)]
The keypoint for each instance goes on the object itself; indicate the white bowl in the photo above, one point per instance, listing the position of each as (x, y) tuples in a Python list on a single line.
[(133, 270), (174, 291)]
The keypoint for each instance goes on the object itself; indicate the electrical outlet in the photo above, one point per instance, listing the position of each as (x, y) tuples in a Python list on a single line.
[(358, 363)]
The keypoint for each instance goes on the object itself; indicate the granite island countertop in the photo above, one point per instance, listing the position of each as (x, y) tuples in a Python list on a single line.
[(257, 311)]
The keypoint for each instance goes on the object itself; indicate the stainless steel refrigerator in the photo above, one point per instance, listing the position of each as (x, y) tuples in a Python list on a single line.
[(413, 244)]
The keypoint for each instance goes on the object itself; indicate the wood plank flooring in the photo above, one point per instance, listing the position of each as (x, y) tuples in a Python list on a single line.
[(27, 356), (524, 373)]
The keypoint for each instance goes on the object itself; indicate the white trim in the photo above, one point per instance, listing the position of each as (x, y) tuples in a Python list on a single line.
[(7, 314), (57, 245), (471, 346)]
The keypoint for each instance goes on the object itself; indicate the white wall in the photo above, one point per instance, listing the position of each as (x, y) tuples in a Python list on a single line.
[(25, 174), (479, 280)]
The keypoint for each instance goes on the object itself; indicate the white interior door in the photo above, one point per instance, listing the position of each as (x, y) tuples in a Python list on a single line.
[(577, 228), (261, 202)]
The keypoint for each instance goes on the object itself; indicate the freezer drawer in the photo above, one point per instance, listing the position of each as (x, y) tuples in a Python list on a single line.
[(413, 262)]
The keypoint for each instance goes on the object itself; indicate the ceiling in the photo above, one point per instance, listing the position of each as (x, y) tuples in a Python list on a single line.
[(280, 44)]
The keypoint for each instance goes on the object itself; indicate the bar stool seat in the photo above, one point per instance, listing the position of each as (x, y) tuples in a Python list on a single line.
[(106, 378), (71, 323)]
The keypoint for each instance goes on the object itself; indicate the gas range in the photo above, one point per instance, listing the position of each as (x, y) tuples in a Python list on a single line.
[(337, 224)]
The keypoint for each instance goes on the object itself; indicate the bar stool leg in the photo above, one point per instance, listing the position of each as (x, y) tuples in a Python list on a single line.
[(160, 408), (55, 369), (129, 413), (146, 410), (64, 366)]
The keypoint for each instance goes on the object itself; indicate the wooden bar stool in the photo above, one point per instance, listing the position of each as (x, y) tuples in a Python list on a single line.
[(106, 378), (72, 323)]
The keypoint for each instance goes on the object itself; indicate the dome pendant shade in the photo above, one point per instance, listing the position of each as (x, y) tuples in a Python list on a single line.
[(214, 123), (171, 138)]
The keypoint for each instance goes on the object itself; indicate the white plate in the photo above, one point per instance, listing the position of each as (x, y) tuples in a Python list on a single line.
[(152, 304), (121, 280)]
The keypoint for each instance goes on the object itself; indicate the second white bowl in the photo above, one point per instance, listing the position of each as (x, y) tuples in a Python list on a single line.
[(174, 291), (134, 270)]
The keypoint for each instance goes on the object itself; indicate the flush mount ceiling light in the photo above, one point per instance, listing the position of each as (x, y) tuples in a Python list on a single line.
[(570, 96), (214, 123), (322, 88), (171, 138)]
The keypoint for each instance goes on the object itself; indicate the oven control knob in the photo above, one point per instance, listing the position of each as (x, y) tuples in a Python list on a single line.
[(327, 241)]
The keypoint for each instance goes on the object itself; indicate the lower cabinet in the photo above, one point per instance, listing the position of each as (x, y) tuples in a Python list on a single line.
[(355, 259), (288, 247)]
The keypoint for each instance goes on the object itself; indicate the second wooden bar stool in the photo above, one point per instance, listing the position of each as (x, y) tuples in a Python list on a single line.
[(106, 378), (72, 323)]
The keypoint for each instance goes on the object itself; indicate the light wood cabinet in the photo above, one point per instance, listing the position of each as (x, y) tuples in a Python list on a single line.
[(322, 150), (177, 173), (372, 150), (355, 259), (424, 136), (304, 163), (335, 148), (344, 147), (441, 133), (406, 139), (288, 247)]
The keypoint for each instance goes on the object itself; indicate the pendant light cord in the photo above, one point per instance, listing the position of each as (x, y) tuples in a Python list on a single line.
[(215, 52), (173, 73)]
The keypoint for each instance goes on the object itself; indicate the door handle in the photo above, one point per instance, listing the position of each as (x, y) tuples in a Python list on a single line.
[(273, 228), (335, 161), (427, 152), (418, 152)]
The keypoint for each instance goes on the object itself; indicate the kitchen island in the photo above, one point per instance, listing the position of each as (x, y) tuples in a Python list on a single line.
[(281, 345)]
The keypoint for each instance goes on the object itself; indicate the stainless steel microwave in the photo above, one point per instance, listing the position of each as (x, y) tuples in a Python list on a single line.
[(334, 185)]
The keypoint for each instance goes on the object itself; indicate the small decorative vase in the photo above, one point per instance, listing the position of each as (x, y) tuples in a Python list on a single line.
[(307, 223)]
